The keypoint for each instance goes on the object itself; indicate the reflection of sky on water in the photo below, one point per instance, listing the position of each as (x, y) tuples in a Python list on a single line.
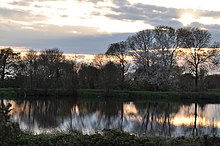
[(206, 116), (167, 119)]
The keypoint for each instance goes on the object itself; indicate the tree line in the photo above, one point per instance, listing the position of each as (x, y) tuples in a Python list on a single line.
[(157, 59)]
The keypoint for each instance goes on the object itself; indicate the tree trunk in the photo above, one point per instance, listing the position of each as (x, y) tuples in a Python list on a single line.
[(196, 78), (123, 73)]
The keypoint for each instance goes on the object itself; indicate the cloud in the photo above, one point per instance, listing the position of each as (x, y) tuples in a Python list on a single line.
[(20, 3), (153, 15), (70, 43), (157, 15), (20, 15), (88, 26), (76, 39)]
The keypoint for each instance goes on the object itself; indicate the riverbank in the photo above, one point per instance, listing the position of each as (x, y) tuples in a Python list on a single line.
[(11, 93), (207, 96), (8, 93), (107, 138)]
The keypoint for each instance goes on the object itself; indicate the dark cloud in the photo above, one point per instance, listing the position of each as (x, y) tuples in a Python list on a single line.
[(155, 15), (67, 42), (150, 14), (82, 40), (86, 44)]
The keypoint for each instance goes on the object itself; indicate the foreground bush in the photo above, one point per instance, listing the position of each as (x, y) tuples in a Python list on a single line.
[(105, 138), (9, 134)]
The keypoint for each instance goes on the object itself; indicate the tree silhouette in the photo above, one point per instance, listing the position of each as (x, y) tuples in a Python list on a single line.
[(8, 60), (119, 51), (198, 58)]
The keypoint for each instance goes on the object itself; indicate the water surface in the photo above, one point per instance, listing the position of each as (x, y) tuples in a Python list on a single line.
[(141, 118)]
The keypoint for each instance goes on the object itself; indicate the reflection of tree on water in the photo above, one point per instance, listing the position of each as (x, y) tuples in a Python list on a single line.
[(166, 121), (213, 128), (144, 118), (110, 111), (156, 118), (45, 113), (201, 123), (195, 130), (101, 115), (5, 113), (202, 129)]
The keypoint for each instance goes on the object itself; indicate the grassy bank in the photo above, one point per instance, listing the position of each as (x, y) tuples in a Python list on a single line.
[(210, 95), (7, 93), (153, 95), (106, 138)]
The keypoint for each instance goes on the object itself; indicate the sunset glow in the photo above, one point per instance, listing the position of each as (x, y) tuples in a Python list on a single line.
[(130, 108), (186, 19), (185, 117)]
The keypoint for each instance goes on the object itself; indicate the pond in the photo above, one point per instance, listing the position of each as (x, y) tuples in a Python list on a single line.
[(137, 117)]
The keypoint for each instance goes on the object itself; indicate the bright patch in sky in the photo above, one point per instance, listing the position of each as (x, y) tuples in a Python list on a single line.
[(78, 13), (186, 19), (73, 13)]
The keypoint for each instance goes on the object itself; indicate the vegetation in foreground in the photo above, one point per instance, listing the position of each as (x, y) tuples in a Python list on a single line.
[(10, 137)]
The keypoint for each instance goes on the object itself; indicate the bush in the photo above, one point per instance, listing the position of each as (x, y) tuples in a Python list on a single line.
[(9, 134)]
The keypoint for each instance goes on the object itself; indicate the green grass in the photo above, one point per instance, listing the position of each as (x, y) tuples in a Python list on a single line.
[(7, 93), (152, 95), (210, 95), (91, 93), (214, 90)]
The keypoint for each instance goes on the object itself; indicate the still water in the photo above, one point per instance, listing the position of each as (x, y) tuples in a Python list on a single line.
[(141, 118)]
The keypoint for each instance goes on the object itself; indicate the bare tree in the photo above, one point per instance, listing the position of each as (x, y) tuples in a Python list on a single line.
[(141, 45), (166, 43), (119, 52), (155, 54), (198, 58), (31, 63), (100, 60), (215, 45), (50, 65)]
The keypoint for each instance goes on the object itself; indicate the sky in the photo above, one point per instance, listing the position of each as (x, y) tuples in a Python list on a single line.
[(89, 26)]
